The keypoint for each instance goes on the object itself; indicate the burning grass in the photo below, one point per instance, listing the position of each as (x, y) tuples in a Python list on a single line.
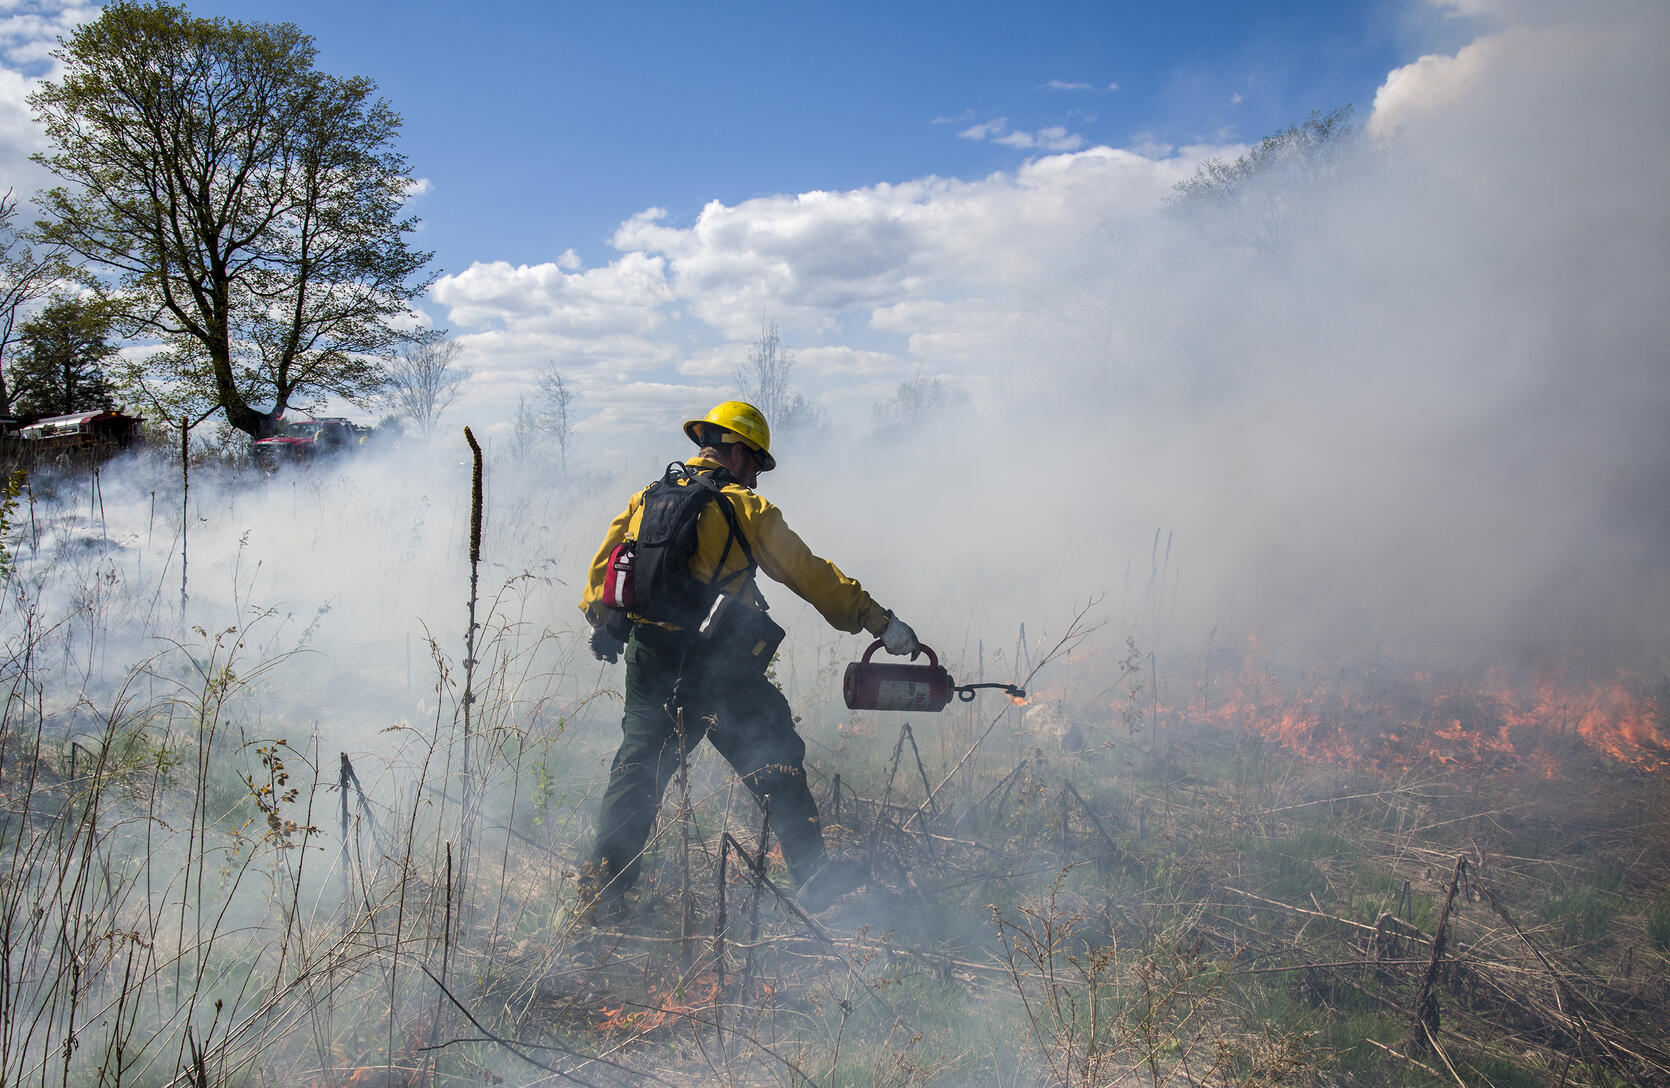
[(1240, 887)]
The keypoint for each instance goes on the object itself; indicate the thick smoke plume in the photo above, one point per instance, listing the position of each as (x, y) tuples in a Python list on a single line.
[(1409, 398)]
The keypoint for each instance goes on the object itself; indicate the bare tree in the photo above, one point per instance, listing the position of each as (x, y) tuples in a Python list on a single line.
[(423, 381), (917, 403), (25, 276), (1247, 203), (524, 434), (763, 379), (555, 414)]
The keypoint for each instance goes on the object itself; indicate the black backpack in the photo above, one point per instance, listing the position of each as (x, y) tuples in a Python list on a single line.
[(662, 586)]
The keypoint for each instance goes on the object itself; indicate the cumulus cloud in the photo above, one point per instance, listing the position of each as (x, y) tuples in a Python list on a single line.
[(641, 407), (1067, 85), (625, 296), (838, 271), (28, 35), (29, 32), (811, 258)]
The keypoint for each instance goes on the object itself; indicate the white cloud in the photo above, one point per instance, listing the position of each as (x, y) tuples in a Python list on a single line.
[(868, 285), (1065, 85), (1054, 138), (1522, 12), (641, 406), (1149, 147), (28, 37), (816, 363), (1113, 86), (809, 259), (966, 334), (1236, 98), (840, 361), (1533, 117), (624, 297), (984, 130)]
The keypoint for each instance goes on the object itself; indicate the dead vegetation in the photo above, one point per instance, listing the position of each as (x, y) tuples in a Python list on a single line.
[(1091, 891)]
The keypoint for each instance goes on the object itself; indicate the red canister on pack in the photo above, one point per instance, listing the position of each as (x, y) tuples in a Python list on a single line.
[(880, 685), (617, 577)]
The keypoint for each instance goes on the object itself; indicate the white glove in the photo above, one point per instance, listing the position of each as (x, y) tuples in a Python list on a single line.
[(898, 638)]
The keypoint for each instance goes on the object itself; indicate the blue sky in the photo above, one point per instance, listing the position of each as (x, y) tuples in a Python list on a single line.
[(542, 126), (627, 192)]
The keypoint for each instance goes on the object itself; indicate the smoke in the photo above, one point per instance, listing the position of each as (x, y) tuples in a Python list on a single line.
[(1411, 410), (348, 580), (1420, 414), (1410, 405)]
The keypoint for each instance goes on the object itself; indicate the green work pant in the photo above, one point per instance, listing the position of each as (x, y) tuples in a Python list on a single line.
[(746, 718)]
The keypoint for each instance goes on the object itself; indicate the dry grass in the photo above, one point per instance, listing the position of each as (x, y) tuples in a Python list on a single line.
[(1077, 892)]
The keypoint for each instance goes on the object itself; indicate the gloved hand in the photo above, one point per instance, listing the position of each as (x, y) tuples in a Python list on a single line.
[(605, 646), (898, 638)]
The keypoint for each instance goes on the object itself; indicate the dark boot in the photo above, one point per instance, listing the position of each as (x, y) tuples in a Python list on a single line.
[(601, 902), (828, 882)]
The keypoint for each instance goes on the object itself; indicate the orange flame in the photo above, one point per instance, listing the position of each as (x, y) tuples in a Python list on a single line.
[(700, 995), (1415, 720)]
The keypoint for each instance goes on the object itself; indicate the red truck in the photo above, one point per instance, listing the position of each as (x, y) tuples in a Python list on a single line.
[(302, 441)]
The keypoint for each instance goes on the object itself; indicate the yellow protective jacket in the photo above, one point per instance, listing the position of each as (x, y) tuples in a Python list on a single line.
[(777, 549)]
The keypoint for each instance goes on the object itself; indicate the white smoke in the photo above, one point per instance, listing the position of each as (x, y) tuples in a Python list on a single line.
[(1427, 419)]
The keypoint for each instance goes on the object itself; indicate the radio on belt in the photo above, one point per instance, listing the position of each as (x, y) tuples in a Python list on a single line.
[(885, 685)]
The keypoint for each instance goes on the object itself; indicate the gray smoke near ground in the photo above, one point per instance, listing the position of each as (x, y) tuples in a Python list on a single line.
[(1418, 415)]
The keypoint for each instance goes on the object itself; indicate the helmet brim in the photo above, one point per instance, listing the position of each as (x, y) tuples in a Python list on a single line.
[(692, 431)]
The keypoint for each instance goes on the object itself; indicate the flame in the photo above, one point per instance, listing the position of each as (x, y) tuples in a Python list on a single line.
[(408, 1069), (1417, 720), (701, 994)]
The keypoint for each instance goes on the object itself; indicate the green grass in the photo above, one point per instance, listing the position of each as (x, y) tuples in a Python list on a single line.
[(1658, 922), (1584, 912)]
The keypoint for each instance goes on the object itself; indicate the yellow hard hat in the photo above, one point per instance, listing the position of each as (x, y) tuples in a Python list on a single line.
[(745, 421)]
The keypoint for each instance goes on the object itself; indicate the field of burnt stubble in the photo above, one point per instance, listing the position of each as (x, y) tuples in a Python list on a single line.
[(300, 831)]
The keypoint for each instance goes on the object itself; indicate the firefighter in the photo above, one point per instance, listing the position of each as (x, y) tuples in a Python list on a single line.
[(693, 637)]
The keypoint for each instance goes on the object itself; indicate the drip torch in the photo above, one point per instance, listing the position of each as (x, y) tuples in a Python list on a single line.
[(886, 685)]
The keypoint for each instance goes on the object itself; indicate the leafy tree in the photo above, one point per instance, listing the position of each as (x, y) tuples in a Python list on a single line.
[(248, 206), (423, 382), (25, 276), (764, 381), (1247, 202), (62, 365)]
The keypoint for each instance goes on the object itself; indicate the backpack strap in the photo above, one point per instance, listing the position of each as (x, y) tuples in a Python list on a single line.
[(714, 482)]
